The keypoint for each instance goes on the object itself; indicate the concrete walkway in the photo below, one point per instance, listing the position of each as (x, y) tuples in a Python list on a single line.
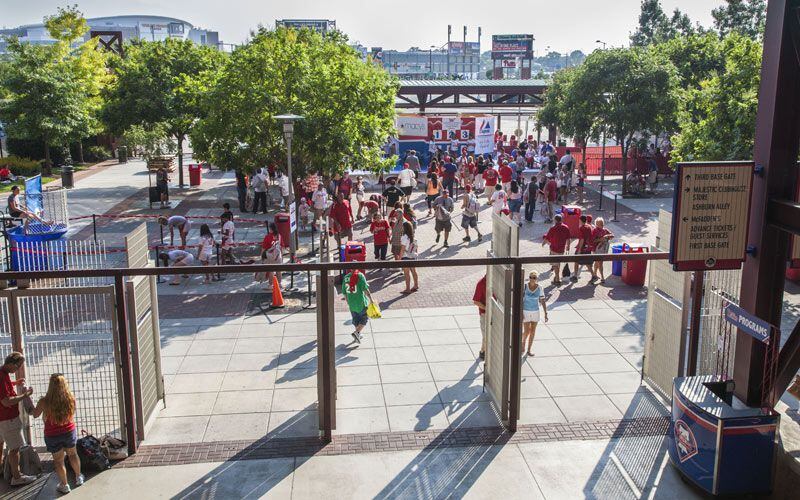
[(624, 468), (417, 369)]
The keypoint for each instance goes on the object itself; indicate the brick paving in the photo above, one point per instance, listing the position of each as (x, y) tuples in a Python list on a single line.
[(350, 444)]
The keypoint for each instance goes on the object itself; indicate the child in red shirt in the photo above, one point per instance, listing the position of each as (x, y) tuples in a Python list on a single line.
[(380, 233)]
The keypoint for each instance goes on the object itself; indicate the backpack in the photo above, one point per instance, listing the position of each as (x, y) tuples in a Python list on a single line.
[(29, 463), (91, 453), (473, 206)]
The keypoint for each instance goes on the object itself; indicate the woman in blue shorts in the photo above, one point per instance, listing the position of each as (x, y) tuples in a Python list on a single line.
[(60, 433)]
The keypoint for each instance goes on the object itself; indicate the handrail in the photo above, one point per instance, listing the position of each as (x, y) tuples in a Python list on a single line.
[(333, 266)]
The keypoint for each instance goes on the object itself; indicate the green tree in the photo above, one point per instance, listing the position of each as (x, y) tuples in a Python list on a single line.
[(161, 84), (626, 92), (53, 91), (746, 17), (717, 118), (348, 105), (655, 26)]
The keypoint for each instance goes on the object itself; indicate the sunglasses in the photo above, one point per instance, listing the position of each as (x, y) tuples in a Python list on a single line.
[(533, 277)]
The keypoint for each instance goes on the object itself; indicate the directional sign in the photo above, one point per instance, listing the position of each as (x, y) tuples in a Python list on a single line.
[(749, 324), (710, 215)]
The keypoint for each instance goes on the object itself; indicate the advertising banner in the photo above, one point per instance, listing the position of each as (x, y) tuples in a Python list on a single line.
[(749, 324), (412, 127), (485, 127), (512, 46)]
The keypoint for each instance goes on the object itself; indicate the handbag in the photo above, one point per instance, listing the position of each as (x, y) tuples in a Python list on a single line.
[(373, 311), (91, 453), (113, 448)]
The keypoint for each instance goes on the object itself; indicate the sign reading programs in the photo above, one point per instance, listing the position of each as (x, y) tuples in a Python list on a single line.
[(710, 215)]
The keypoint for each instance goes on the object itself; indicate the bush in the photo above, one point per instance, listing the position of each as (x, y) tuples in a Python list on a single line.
[(25, 148), (94, 154), (21, 166)]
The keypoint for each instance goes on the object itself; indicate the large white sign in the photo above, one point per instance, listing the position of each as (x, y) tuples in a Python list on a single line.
[(451, 123), (485, 127), (412, 126)]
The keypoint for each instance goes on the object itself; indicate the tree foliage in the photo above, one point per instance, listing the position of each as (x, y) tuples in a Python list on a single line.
[(159, 86), (746, 17), (348, 105), (716, 119), (623, 91), (655, 26), (53, 92)]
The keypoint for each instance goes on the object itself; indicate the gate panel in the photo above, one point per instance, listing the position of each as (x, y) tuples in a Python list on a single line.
[(326, 358), (498, 333)]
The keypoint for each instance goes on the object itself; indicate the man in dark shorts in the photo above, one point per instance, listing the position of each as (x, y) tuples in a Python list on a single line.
[(442, 208), (162, 183), (10, 423), (356, 290), (558, 238)]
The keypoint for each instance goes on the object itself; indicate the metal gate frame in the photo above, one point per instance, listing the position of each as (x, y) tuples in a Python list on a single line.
[(16, 331)]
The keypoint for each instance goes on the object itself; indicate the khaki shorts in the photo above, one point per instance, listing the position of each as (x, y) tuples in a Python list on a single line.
[(556, 264), (11, 433)]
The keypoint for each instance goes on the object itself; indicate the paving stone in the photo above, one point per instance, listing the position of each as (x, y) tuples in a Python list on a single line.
[(570, 385)]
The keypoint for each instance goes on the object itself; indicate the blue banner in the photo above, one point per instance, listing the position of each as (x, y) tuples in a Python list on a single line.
[(749, 324), (33, 194)]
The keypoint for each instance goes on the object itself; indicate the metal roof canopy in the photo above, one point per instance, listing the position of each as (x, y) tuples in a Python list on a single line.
[(423, 94)]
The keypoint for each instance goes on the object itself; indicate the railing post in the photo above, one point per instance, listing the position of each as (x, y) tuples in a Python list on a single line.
[(615, 208), (516, 347), (326, 382), (125, 362)]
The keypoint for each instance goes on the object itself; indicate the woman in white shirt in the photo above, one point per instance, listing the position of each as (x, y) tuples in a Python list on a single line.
[(408, 251), (206, 249)]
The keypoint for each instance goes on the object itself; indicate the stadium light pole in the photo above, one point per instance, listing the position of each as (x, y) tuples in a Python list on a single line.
[(604, 43), (288, 121)]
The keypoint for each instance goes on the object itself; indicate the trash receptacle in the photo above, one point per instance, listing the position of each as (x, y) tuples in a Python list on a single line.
[(122, 154), (67, 177), (616, 266), (194, 174), (353, 251), (282, 220), (633, 271), (571, 216)]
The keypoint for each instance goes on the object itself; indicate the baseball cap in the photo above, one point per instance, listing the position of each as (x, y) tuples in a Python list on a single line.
[(549, 174)]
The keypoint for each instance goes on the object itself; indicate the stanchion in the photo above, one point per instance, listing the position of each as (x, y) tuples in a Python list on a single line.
[(94, 226), (615, 208), (161, 230), (600, 205), (219, 276), (158, 260)]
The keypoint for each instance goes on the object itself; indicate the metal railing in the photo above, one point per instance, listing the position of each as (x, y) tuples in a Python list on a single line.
[(326, 340)]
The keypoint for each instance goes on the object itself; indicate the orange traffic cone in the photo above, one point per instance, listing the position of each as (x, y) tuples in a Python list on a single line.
[(277, 296)]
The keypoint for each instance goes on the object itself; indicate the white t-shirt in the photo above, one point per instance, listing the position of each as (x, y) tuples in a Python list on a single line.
[(228, 234), (498, 201), (259, 183), (283, 182), (176, 255), (407, 178), (319, 199)]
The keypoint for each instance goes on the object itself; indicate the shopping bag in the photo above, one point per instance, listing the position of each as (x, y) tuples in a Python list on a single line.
[(373, 311)]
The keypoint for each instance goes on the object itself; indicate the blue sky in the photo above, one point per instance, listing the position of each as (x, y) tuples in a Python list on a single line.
[(397, 24)]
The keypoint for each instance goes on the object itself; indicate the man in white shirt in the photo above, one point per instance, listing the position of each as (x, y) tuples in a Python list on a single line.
[(259, 183), (498, 199), (407, 180), (319, 200), (283, 183)]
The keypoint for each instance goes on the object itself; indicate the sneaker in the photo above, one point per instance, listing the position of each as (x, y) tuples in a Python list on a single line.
[(480, 237), (63, 488), (79, 480), (573, 278), (22, 479), (437, 237), (445, 244), (466, 238), (356, 337)]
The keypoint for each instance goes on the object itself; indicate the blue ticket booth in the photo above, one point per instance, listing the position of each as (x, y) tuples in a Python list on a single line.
[(722, 446)]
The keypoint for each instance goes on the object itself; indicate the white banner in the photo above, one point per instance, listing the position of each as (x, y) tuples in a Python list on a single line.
[(412, 127), (451, 123), (485, 127)]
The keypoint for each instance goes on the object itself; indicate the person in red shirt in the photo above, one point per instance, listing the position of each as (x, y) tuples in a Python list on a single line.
[(600, 241), (479, 299), (506, 173), (585, 246), (342, 219), (490, 178), (371, 206), (10, 423), (380, 234), (551, 195), (558, 238), (272, 252)]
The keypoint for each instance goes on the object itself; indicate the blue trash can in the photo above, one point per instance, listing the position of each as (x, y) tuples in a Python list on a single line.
[(616, 266)]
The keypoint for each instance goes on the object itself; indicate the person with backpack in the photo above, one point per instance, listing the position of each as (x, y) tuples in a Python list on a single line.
[(443, 207), (60, 433), (10, 423), (471, 208), (531, 193), (356, 291)]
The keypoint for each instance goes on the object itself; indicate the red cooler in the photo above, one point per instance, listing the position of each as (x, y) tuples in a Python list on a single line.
[(195, 169), (633, 271), (284, 228), (353, 251), (571, 216)]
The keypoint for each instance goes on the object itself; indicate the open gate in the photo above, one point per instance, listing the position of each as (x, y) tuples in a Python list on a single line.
[(498, 317)]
